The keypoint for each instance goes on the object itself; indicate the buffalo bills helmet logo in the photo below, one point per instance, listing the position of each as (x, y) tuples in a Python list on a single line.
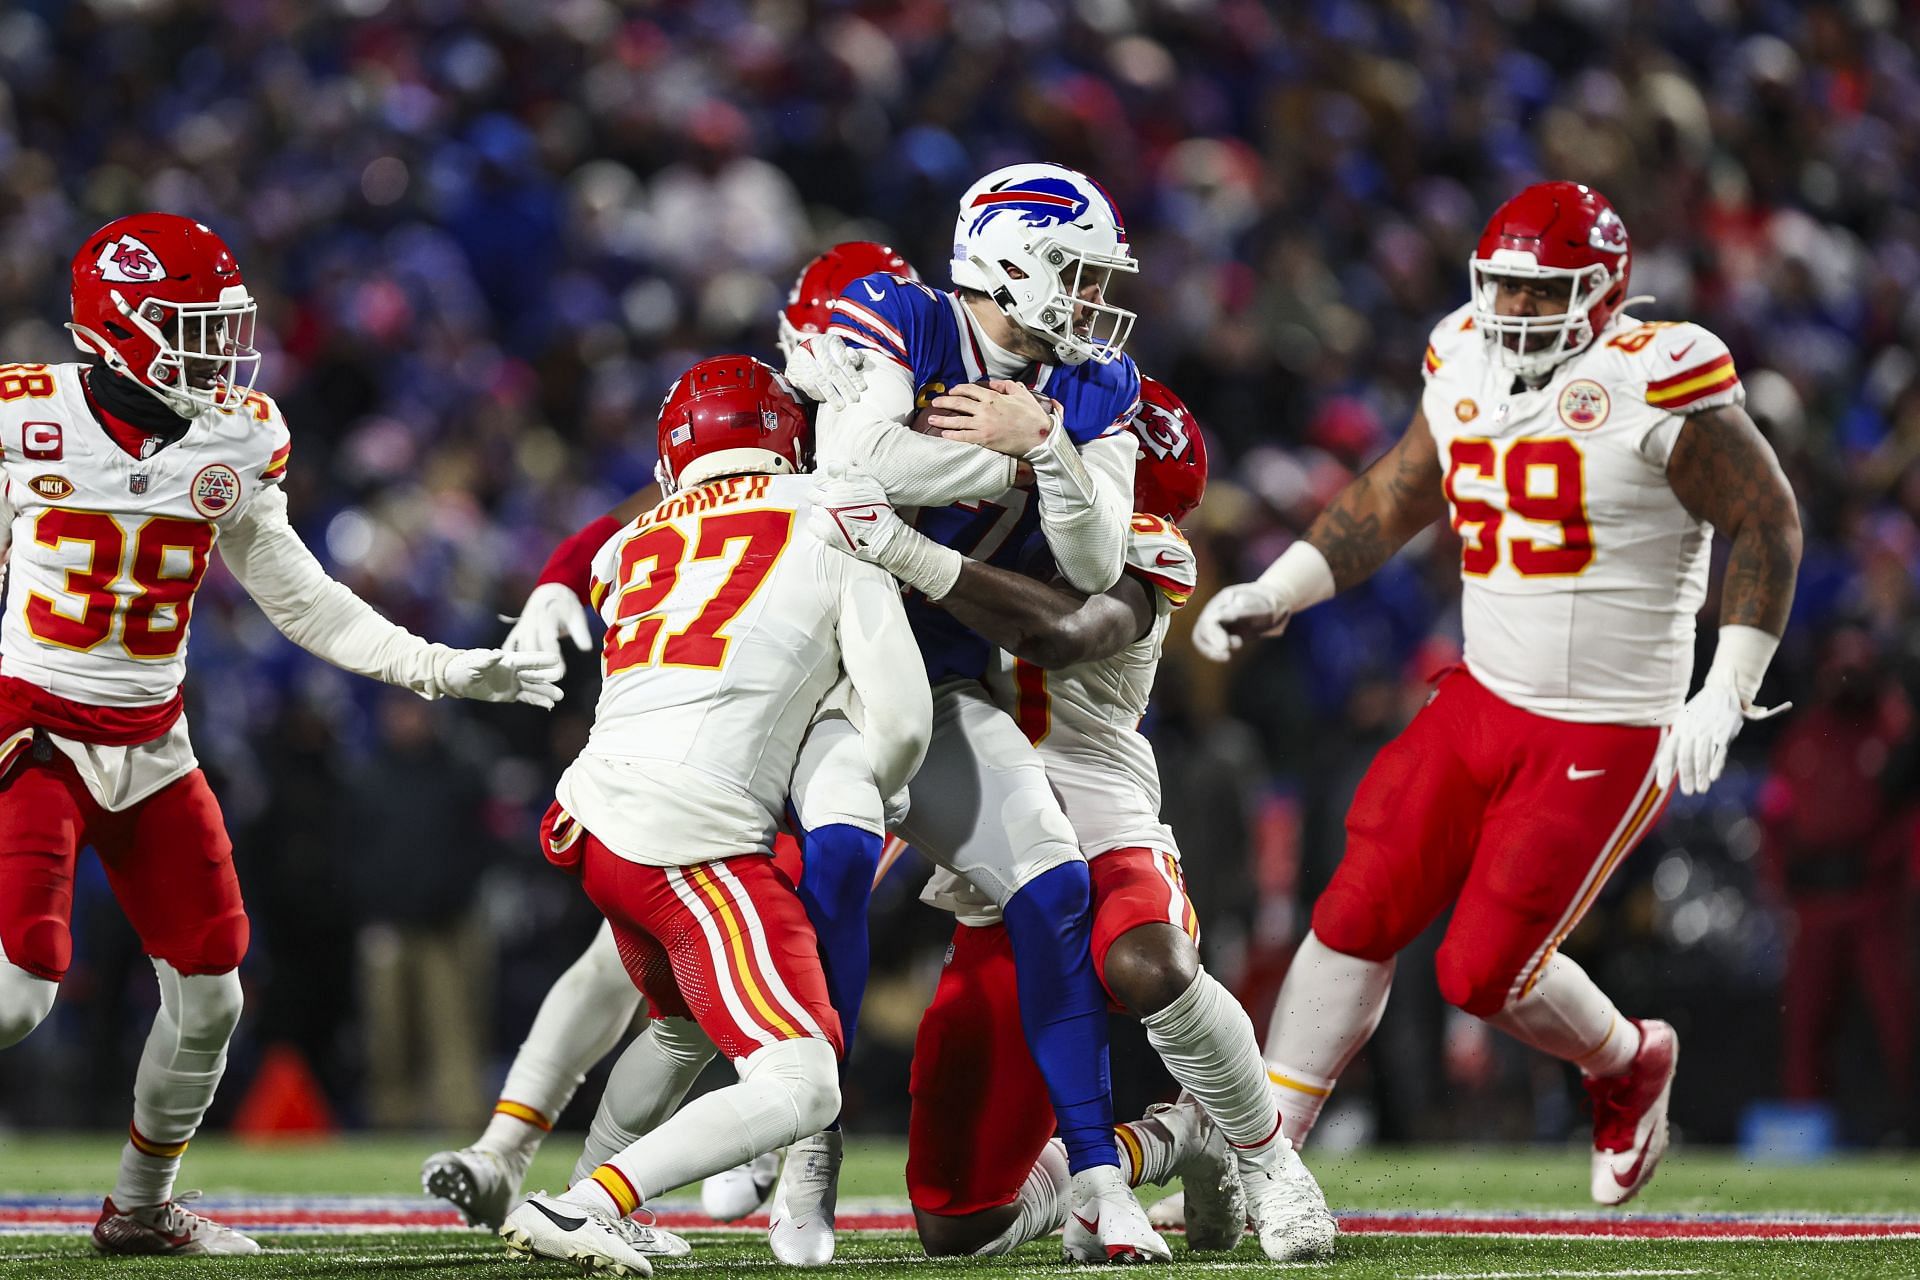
[(1039, 202)]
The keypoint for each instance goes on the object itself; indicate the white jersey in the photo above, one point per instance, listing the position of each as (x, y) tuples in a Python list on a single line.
[(1085, 723), (108, 548), (722, 612), (1581, 571)]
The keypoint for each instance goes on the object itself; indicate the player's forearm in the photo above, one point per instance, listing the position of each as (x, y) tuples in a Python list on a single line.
[(1036, 621), (1086, 503), (1379, 512), (916, 470), (883, 665), (1762, 567)]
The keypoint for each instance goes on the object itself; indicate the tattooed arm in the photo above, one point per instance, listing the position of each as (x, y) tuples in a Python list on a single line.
[(1361, 529), (1724, 472), (1377, 514)]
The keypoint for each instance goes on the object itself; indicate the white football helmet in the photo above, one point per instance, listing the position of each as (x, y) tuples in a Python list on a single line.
[(1042, 240)]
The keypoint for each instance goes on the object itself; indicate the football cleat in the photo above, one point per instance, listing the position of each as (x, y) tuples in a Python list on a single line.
[(732, 1195), (800, 1232), (1105, 1223), (1289, 1213), (168, 1229), (544, 1226), (1168, 1213), (478, 1183), (1630, 1116), (1215, 1208)]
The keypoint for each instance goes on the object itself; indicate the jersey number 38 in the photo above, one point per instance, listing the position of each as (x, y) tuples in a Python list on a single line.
[(168, 558)]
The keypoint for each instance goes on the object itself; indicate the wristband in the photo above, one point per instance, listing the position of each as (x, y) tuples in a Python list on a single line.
[(1301, 577), (1740, 660), (921, 563)]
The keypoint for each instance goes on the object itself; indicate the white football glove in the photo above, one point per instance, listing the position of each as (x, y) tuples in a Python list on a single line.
[(493, 675), (1695, 748), (851, 513), (551, 610), (823, 367), (1238, 614)]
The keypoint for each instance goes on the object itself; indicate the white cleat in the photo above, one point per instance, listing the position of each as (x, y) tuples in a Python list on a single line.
[(168, 1229), (544, 1226), (1105, 1223), (478, 1183), (1214, 1209), (1289, 1213), (1630, 1116), (731, 1196), (800, 1232), (1168, 1213)]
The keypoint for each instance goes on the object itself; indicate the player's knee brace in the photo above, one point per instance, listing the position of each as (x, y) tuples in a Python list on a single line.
[(205, 1008), (807, 1072), (25, 1001)]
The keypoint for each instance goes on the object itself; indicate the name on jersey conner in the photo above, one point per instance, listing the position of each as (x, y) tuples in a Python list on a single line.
[(714, 493)]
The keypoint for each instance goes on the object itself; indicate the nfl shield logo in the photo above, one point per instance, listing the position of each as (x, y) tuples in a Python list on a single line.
[(137, 483)]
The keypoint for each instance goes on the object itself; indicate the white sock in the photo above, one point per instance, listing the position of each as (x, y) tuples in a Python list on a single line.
[(1206, 1041), (1328, 1007), (180, 1067), (1567, 1016), (648, 1082), (582, 1018), (787, 1090), (1042, 1201)]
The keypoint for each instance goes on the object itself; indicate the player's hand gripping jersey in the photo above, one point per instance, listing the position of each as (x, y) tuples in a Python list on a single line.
[(727, 623), (1581, 570), (928, 341)]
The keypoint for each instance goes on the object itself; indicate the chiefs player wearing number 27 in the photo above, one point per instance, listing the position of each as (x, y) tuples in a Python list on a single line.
[(122, 476), (1586, 459)]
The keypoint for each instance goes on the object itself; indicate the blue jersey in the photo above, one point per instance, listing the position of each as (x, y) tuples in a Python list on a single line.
[(927, 333)]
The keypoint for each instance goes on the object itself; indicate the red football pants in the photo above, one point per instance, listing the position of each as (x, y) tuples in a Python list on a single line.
[(167, 859), (725, 943), (981, 1114), (1515, 819)]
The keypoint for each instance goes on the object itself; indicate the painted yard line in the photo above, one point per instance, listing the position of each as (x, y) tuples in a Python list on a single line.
[(1531, 1275)]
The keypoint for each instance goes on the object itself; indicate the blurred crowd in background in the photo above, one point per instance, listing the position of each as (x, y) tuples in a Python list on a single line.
[(487, 235)]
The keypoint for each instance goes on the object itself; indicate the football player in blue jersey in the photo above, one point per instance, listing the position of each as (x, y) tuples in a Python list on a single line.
[(999, 409)]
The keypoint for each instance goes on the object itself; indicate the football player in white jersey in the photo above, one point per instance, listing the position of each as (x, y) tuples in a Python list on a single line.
[(728, 621), (1587, 459), (1076, 672), (593, 1003), (121, 478)]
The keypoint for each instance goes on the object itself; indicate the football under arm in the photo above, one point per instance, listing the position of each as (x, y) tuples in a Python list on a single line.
[(883, 664), (916, 470), (1086, 504), (318, 613), (1044, 624)]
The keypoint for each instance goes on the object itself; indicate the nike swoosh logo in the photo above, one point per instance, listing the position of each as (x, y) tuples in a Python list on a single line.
[(1626, 1180), (1579, 775), (869, 518), (1092, 1227), (1681, 354), (872, 292), (1169, 558), (565, 1223)]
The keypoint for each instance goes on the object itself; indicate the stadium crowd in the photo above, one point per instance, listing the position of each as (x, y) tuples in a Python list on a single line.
[(486, 236)]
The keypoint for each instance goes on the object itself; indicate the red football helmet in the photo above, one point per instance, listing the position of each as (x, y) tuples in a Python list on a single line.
[(725, 416), (808, 308), (1171, 474), (160, 299), (1551, 231)]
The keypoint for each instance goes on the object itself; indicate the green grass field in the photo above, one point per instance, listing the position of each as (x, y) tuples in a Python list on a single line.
[(1691, 1183)]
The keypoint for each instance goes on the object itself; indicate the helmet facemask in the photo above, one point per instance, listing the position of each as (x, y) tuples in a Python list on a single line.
[(1531, 347), (1043, 294), (204, 355)]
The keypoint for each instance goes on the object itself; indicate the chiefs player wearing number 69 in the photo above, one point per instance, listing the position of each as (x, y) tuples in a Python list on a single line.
[(120, 479), (1586, 459)]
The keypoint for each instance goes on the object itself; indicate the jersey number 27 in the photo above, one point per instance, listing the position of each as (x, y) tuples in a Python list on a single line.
[(654, 556)]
